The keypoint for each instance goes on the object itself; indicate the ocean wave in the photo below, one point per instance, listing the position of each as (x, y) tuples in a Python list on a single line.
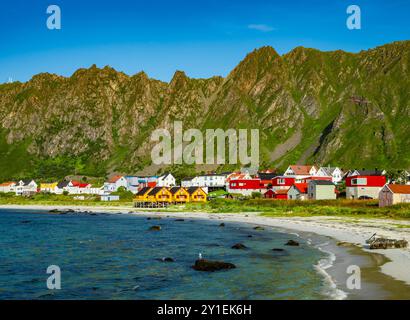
[(323, 264)]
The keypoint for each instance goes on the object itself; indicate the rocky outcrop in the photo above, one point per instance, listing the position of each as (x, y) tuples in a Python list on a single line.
[(209, 265), (292, 243)]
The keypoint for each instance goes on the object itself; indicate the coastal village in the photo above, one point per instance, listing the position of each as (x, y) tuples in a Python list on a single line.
[(297, 182)]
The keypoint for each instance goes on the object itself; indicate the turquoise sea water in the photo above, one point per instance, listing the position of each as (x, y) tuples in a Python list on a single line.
[(115, 257)]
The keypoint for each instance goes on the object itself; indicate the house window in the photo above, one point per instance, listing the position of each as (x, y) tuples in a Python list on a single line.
[(281, 181), (359, 181)]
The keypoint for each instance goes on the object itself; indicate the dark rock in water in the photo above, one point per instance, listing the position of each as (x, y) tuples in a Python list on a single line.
[(25, 221), (222, 224), (209, 265), (180, 220), (156, 218), (278, 249), (250, 236), (259, 228), (149, 218), (155, 228), (69, 210), (239, 246), (292, 243), (93, 214), (167, 259), (54, 211)]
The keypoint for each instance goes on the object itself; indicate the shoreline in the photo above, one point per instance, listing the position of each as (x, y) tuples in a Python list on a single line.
[(340, 229)]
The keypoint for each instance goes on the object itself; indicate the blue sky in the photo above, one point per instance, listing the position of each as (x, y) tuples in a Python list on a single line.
[(201, 37)]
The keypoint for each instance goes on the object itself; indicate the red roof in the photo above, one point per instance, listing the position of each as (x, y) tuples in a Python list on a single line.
[(301, 170), (80, 184), (399, 188), (114, 179), (302, 187), (7, 184), (281, 191)]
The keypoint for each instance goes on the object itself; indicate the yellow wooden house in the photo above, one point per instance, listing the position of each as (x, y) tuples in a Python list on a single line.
[(197, 194), (142, 195), (179, 195), (48, 187), (160, 194)]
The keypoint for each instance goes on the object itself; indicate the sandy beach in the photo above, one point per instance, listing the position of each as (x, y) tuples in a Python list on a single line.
[(354, 231)]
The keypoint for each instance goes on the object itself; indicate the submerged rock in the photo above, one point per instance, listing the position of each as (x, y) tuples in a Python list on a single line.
[(25, 221), (209, 265), (167, 259), (250, 236), (54, 211), (179, 220), (278, 249), (259, 228), (239, 246), (292, 243), (222, 224), (155, 228)]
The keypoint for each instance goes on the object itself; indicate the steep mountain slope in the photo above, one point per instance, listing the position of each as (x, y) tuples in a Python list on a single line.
[(310, 106)]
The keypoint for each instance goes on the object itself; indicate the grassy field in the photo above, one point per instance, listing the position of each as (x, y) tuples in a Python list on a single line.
[(267, 207)]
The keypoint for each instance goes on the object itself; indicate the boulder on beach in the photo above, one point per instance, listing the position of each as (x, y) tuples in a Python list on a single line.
[(155, 228), (292, 243), (209, 265), (259, 228), (239, 246)]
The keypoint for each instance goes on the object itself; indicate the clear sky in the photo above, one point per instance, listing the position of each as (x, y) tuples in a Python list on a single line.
[(201, 37)]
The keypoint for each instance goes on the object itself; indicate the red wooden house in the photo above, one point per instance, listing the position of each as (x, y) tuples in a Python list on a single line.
[(364, 184), (244, 186), (282, 183)]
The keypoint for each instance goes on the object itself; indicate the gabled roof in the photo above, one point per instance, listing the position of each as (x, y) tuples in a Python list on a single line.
[(266, 175), (79, 184), (301, 170), (7, 184), (165, 175), (301, 187), (367, 173), (26, 182), (174, 190), (154, 191), (114, 179), (399, 188), (328, 170), (143, 191), (63, 184), (191, 190)]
